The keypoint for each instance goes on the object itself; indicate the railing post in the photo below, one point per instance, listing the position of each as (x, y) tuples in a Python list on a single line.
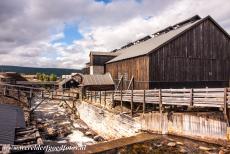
[(121, 102), (105, 99), (226, 107), (4, 92), (113, 97), (144, 102), (191, 97), (91, 96), (100, 97), (95, 96), (132, 102), (42, 94), (160, 101)]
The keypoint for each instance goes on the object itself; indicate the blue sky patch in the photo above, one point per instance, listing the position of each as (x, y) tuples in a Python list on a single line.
[(104, 1), (71, 33)]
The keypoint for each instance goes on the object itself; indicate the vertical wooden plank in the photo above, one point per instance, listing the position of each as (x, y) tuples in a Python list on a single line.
[(91, 96), (131, 102), (144, 102), (100, 97), (226, 107), (95, 96), (160, 101), (121, 95), (105, 99), (191, 97), (113, 98), (42, 94)]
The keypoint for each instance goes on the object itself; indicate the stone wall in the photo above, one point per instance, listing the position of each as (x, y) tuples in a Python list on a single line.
[(107, 124), (203, 126)]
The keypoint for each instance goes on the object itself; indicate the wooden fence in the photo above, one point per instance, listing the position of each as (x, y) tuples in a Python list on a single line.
[(204, 97)]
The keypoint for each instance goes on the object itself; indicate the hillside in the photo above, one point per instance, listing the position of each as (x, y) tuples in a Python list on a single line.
[(34, 70)]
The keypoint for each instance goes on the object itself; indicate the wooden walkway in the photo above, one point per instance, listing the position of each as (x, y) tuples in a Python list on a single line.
[(113, 144), (20, 93)]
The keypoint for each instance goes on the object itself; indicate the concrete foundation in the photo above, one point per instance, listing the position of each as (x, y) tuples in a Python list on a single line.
[(203, 126)]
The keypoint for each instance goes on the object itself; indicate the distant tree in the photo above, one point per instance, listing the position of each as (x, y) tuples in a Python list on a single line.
[(52, 77)]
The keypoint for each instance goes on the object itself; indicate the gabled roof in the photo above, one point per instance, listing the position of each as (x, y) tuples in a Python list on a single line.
[(158, 41), (97, 80)]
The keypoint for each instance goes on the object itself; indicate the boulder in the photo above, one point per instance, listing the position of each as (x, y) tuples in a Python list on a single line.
[(98, 138), (171, 144)]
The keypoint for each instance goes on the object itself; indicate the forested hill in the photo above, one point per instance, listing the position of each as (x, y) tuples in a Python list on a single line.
[(34, 70)]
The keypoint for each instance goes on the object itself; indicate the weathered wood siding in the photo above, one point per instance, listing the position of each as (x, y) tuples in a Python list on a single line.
[(138, 67), (200, 54), (99, 60)]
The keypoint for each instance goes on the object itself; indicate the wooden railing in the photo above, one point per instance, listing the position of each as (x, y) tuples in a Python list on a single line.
[(203, 97)]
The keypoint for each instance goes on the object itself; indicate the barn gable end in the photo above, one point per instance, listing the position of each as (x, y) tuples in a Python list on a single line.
[(201, 53)]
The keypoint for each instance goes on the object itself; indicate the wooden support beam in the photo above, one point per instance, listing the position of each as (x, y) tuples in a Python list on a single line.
[(144, 102), (226, 114), (121, 101), (113, 103), (32, 110), (100, 97), (160, 101), (131, 103), (191, 97), (105, 99), (95, 96), (91, 96)]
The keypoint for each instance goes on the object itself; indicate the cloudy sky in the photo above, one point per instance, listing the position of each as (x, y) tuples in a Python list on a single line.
[(60, 33)]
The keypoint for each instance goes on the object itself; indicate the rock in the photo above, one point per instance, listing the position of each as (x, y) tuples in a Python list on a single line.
[(157, 145), (179, 143), (89, 133), (51, 133), (183, 150), (204, 148), (171, 144), (98, 138), (224, 151)]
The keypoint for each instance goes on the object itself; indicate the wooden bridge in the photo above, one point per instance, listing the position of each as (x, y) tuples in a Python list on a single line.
[(193, 98), (20, 93)]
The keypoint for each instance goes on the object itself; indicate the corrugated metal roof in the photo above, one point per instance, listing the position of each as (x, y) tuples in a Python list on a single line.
[(103, 53), (97, 79), (10, 118), (150, 44)]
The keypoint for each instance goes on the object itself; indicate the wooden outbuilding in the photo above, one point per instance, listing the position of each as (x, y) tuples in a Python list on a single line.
[(192, 53)]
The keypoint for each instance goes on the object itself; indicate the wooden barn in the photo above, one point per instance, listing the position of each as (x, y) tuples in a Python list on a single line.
[(192, 53)]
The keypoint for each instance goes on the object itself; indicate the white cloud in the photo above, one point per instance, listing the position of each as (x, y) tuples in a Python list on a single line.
[(28, 28)]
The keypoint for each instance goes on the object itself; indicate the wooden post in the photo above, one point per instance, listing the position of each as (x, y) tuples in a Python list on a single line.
[(18, 94), (121, 94), (100, 97), (52, 94), (91, 96), (105, 99), (4, 93), (132, 102), (144, 102), (95, 96), (42, 94), (226, 107), (160, 101), (191, 97), (113, 98)]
